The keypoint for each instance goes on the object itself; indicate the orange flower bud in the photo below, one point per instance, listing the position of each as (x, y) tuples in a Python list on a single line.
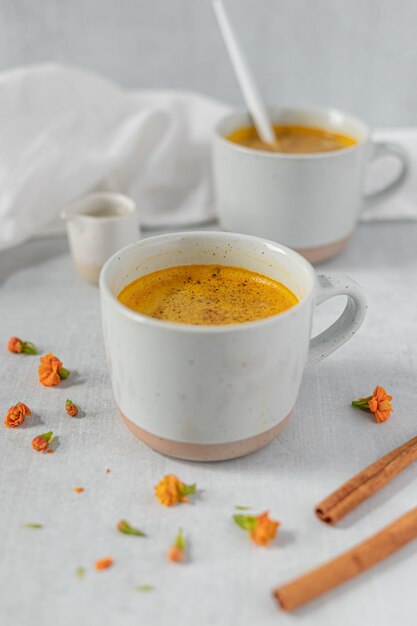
[(171, 490), (16, 415), (41, 442), (177, 550), (18, 346), (71, 408), (15, 345), (124, 527), (50, 370), (176, 555)]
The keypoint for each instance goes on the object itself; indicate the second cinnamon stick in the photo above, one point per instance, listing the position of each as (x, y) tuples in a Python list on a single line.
[(365, 483), (353, 562)]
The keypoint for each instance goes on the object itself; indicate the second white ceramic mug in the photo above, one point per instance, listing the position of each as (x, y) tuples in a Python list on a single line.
[(309, 202), (216, 392)]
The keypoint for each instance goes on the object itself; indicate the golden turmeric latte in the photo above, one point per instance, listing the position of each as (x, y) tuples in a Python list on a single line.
[(293, 140), (207, 294)]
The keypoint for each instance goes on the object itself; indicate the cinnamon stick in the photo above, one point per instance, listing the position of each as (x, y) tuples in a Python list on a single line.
[(353, 562), (367, 482)]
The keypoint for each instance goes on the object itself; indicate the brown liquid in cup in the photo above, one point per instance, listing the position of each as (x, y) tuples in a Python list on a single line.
[(207, 294), (293, 140)]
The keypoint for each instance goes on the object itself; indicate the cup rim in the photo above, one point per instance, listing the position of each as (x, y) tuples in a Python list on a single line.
[(332, 111), (72, 210), (166, 325)]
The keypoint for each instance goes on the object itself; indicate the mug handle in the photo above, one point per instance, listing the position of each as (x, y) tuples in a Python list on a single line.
[(383, 149), (329, 286)]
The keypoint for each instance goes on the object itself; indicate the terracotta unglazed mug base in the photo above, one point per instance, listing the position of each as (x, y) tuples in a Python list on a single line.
[(205, 452), (322, 253)]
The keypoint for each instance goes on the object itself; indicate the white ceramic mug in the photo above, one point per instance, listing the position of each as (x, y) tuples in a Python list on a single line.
[(216, 392), (310, 202), (98, 224)]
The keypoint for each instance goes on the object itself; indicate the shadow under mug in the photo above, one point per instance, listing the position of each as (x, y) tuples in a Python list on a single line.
[(309, 202), (210, 393)]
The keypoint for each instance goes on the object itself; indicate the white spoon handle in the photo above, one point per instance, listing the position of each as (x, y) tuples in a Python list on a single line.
[(249, 88)]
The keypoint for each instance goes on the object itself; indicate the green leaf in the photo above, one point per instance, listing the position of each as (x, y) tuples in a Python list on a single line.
[(32, 525), (180, 540), (145, 587), (247, 522), (242, 508), (187, 489), (79, 572), (124, 527)]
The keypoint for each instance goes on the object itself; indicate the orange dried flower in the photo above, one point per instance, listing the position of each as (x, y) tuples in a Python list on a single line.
[(177, 550), (379, 403), (50, 370), (265, 529), (104, 563), (16, 415), (78, 489), (171, 490), (41, 442), (71, 408), (262, 528), (18, 346)]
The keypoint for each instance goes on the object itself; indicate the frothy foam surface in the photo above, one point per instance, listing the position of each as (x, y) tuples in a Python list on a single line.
[(207, 294)]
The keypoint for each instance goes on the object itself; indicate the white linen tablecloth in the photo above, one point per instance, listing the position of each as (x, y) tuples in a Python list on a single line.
[(228, 580)]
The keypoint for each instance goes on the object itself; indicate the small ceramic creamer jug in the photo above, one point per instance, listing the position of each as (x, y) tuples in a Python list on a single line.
[(99, 224)]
